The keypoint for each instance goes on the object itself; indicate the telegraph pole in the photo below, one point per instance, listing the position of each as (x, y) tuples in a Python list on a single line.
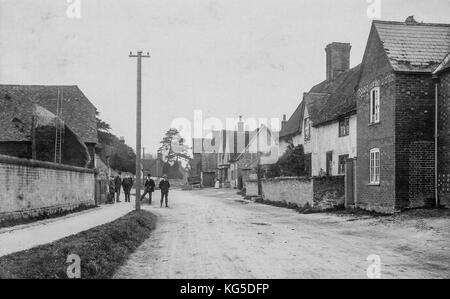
[(139, 57)]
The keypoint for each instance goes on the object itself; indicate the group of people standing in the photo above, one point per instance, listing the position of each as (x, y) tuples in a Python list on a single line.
[(149, 188), (117, 183)]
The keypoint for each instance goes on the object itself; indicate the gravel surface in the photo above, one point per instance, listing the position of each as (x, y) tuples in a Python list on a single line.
[(215, 234)]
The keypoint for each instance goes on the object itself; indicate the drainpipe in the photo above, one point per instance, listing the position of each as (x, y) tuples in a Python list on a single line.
[(436, 138)]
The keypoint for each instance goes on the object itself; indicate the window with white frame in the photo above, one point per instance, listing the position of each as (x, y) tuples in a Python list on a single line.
[(344, 127), (375, 166), (307, 129), (375, 105)]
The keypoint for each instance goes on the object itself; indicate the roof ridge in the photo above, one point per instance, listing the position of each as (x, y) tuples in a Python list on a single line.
[(410, 24), (39, 85), (443, 64), (346, 73)]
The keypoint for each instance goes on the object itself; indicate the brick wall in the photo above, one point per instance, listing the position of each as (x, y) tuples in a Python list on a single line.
[(421, 173), (404, 134), (444, 139), (376, 72), (30, 188), (414, 127)]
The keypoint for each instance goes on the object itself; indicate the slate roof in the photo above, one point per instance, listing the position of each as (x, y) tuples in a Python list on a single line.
[(412, 46), (78, 111)]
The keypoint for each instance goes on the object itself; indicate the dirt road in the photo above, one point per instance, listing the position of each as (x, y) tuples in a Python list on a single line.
[(215, 234)]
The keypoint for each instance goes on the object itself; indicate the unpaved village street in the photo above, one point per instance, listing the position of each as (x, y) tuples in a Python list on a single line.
[(216, 234)]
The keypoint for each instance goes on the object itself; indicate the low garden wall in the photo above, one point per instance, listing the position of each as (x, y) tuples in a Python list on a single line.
[(31, 188), (319, 193)]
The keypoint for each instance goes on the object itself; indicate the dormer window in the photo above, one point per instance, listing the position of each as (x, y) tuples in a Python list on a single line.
[(375, 105)]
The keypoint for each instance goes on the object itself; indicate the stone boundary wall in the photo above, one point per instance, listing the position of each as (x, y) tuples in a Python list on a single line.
[(320, 193), (30, 188)]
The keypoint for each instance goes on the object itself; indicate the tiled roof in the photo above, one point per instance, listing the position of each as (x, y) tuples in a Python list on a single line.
[(15, 118), (412, 46), (294, 124), (326, 102), (330, 100), (78, 111)]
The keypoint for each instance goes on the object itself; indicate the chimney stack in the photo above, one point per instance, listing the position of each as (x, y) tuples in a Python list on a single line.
[(338, 59), (284, 122), (240, 125)]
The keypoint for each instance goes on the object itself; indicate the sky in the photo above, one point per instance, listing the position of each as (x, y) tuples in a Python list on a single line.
[(227, 58)]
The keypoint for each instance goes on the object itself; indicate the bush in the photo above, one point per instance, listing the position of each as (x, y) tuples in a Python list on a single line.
[(292, 163)]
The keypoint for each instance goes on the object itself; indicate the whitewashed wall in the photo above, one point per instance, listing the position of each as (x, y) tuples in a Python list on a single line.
[(324, 139)]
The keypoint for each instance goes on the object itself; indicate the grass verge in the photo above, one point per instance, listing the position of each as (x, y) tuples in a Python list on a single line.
[(44, 216), (101, 249)]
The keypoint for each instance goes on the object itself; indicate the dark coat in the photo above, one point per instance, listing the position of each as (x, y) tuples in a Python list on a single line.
[(149, 185), (164, 186), (112, 186), (127, 183), (118, 182)]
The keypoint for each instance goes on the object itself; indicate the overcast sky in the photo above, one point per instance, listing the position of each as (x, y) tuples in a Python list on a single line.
[(226, 57)]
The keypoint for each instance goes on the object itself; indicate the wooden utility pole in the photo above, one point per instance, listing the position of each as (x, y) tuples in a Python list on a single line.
[(139, 57), (259, 163)]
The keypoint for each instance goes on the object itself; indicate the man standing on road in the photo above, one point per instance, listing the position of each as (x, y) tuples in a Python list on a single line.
[(149, 188), (127, 184), (164, 186), (118, 182)]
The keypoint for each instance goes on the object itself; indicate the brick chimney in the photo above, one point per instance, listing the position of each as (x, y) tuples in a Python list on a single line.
[(284, 122), (240, 125), (411, 21), (338, 59)]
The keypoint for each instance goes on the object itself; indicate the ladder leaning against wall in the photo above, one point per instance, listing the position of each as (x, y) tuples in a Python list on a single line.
[(59, 126)]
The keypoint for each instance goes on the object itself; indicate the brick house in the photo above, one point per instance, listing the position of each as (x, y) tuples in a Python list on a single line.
[(325, 121), (204, 162), (442, 84), (24, 104), (396, 104)]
